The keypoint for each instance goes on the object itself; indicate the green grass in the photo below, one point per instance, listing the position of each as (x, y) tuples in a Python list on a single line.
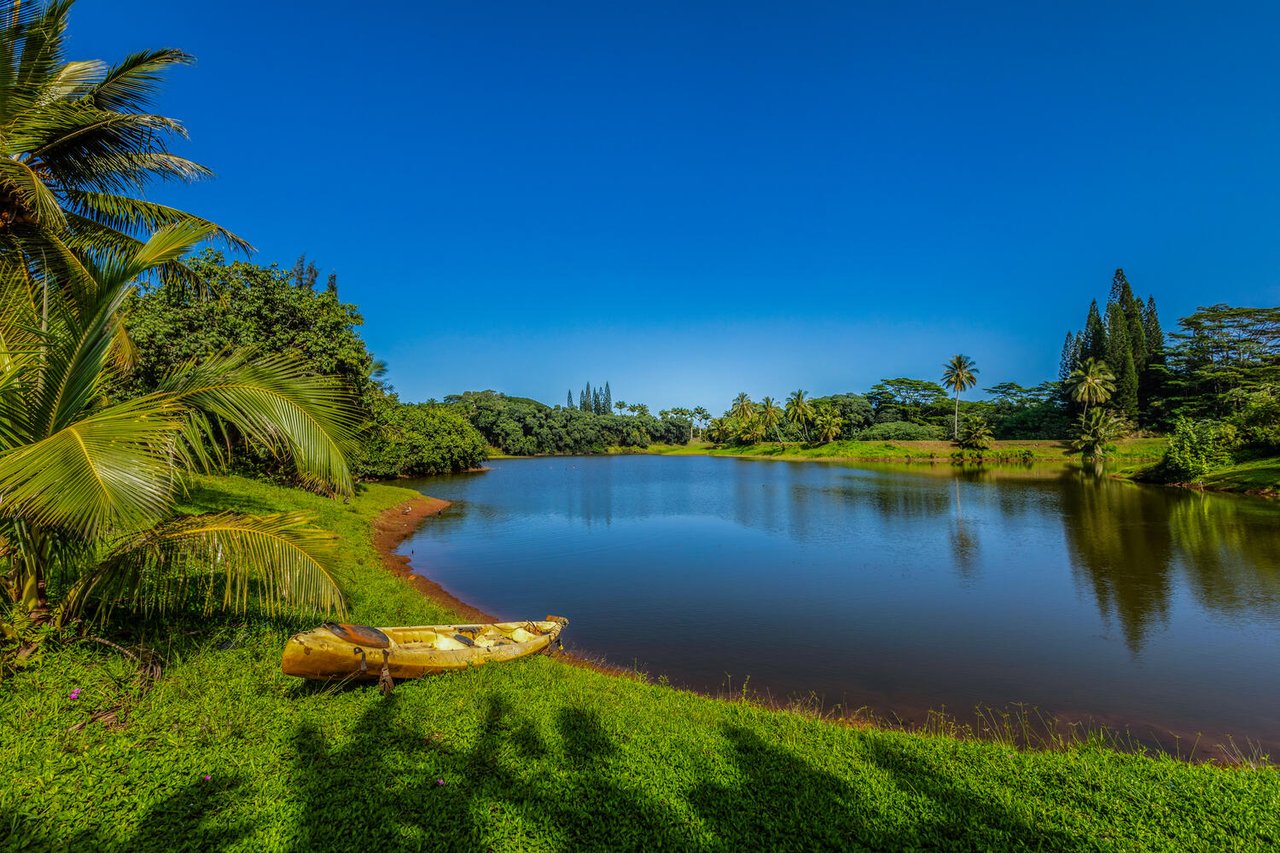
[(534, 755), (1257, 476), (908, 451)]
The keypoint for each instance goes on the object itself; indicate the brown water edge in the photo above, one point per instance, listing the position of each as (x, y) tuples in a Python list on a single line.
[(1016, 724), (392, 526)]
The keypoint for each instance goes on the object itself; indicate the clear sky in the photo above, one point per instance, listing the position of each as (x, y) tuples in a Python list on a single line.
[(692, 199)]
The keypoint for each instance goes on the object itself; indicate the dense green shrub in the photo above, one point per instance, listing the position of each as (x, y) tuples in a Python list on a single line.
[(418, 440), (1197, 447), (1258, 417), (282, 311), (902, 431)]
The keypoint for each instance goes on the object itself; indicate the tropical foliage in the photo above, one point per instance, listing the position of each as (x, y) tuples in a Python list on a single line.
[(959, 374), (89, 481), (1096, 432), (1197, 447), (79, 146), (523, 427), (974, 434), (1092, 383), (282, 311)]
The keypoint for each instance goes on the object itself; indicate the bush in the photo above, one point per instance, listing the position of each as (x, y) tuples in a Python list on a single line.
[(975, 434), (1258, 418), (901, 431), (1197, 447), (418, 440)]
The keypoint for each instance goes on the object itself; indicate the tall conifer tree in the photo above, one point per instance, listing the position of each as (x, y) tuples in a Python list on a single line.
[(1120, 360), (1070, 355), (1093, 339)]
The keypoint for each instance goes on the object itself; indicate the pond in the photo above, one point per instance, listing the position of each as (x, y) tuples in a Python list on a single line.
[(901, 589)]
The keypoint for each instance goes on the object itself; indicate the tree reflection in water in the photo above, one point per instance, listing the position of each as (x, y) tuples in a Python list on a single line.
[(1126, 542)]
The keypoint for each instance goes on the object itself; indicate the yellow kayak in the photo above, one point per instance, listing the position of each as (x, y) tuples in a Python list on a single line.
[(358, 651)]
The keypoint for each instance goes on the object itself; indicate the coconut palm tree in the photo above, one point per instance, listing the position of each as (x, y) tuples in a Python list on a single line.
[(703, 417), (959, 374), (88, 483), (829, 424), (800, 411), (770, 417), (1097, 431), (751, 430), (1092, 383), (78, 147), (976, 434), (742, 407)]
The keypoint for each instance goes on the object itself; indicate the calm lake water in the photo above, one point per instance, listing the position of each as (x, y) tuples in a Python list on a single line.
[(900, 589)]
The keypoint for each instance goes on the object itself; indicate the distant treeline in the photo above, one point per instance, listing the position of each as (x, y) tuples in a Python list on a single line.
[(1213, 384), (523, 427), (899, 409)]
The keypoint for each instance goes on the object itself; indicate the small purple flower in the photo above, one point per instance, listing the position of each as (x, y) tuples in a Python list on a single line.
[(208, 778), (75, 694), (439, 782)]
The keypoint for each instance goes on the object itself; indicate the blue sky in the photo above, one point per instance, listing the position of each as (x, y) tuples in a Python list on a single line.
[(692, 199)]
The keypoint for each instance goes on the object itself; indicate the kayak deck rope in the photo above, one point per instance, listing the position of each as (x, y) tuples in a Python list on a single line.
[(385, 682)]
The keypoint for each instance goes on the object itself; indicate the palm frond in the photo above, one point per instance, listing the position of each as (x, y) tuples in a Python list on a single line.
[(223, 559), (130, 85), (19, 180), (274, 402), (112, 470), (73, 80), (125, 215)]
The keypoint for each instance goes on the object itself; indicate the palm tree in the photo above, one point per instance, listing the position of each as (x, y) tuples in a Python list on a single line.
[(703, 417), (742, 407), (829, 424), (800, 412), (1092, 383), (88, 484), (1097, 431), (770, 417), (620, 406), (976, 435), (78, 147), (683, 413), (751, 430), (959, 374)]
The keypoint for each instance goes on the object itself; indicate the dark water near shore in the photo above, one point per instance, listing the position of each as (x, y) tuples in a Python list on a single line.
[(901, 589)]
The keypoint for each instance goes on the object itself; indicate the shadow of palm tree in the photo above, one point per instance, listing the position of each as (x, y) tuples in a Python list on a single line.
[(382, 787), (190, 819)]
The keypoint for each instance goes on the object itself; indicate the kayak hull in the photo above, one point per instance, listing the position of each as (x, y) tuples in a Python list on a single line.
[(360, 652)]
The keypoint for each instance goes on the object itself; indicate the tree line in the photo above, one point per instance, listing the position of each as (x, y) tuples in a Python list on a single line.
[(520, 426)]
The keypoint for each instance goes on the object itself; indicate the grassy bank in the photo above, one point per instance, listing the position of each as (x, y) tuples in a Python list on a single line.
[(1259, 476), (1255, 477), (536, 754), (908, 451)]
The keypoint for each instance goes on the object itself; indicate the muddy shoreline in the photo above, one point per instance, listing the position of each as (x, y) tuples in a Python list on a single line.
[(397, 524), (394, 525)]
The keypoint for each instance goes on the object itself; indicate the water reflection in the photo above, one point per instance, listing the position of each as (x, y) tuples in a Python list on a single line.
[(910, 587), (1119, 545), (964, 541)]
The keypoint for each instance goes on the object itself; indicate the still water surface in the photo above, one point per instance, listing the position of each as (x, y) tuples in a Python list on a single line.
[(900, 589)]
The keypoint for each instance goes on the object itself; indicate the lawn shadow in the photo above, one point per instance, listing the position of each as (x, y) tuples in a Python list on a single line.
[(383, 786), (188, 819), (784, 803)]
